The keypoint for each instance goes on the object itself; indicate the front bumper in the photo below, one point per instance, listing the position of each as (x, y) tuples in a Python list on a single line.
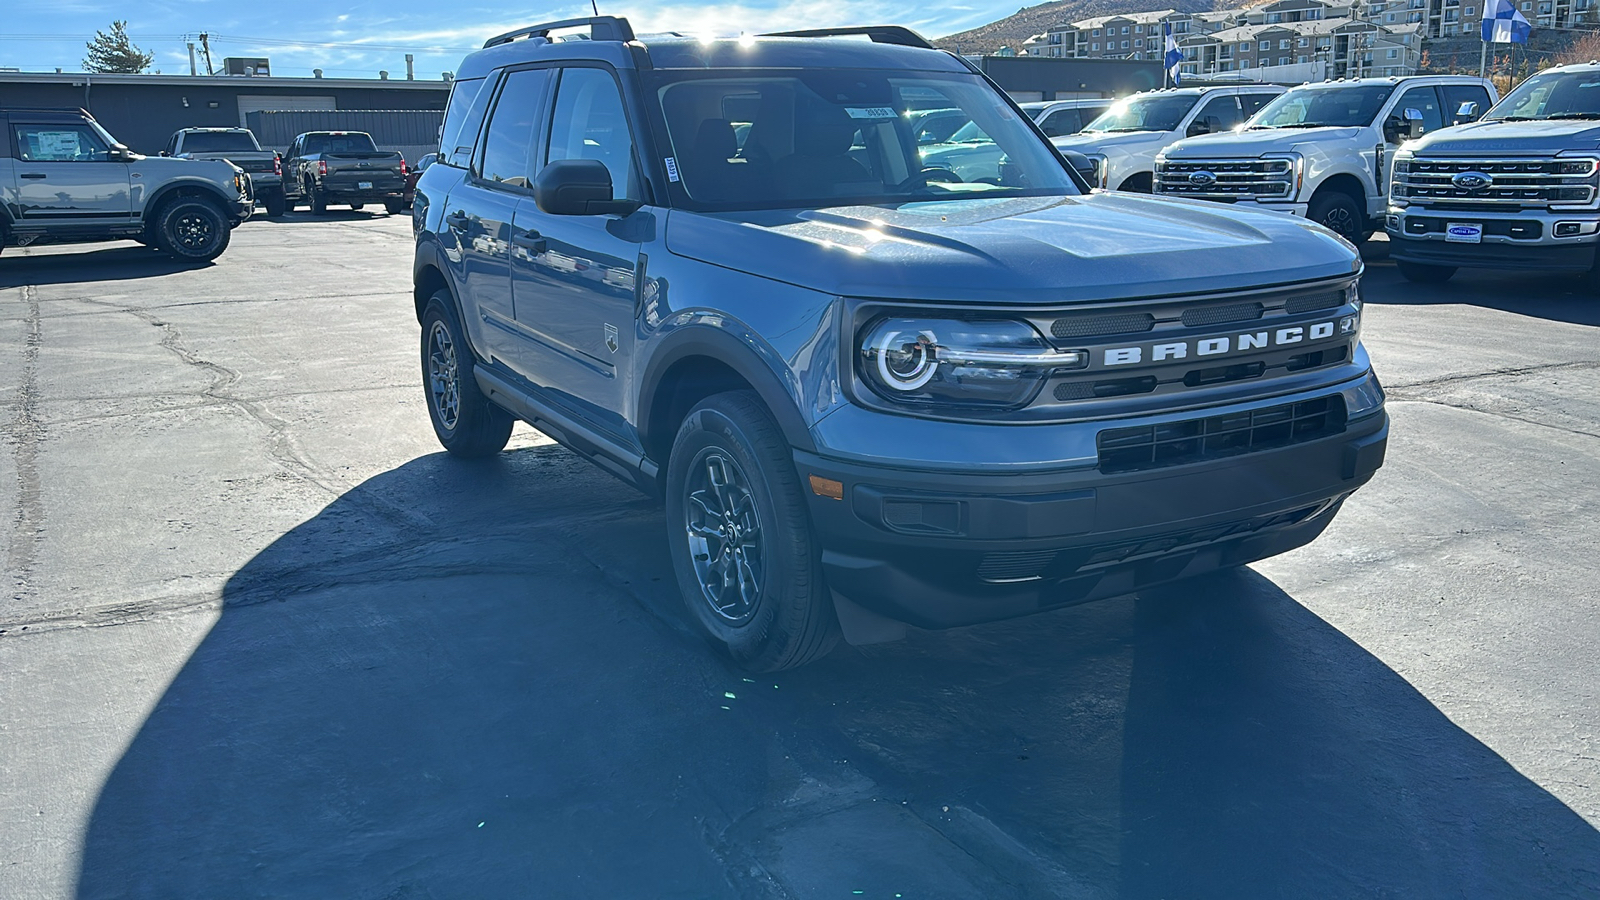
[(1526, 239), (943, 549)]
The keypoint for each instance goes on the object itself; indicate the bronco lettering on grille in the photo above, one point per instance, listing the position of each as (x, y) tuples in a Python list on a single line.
[(1218, 346)]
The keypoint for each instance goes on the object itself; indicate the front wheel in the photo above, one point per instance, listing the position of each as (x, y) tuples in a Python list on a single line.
[(192, 229), (466, 423), (1340, 214), (748, 565), (1423, 273)]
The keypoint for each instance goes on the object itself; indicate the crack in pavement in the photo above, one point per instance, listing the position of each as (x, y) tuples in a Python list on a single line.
[(1498, 415), (1513, 372), (25, 434)]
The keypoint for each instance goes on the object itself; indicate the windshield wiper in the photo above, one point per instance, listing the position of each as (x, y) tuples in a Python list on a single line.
[(1575, 115), (1314, 125)]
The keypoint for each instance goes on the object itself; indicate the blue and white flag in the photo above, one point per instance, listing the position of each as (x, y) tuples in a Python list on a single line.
[(1175, 56), (1502, 24)]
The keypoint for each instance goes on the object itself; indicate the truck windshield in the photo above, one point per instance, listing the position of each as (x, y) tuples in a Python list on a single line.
[(1153, 112), (776, 139), (340, 142), (1350, 106), (1553, 95), (220, 142)]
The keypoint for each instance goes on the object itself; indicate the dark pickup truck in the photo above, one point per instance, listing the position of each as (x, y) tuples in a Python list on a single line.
[(237, 146), (323, 167)]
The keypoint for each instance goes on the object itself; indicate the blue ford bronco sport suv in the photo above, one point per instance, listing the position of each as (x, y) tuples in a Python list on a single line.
[(869, 393)]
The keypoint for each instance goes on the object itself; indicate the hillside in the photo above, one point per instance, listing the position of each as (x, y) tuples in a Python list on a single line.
[(1029, 21)]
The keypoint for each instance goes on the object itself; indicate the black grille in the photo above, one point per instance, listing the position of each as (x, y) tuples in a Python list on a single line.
[(1087, 326), (1195, 440), (1216, 315), (1020, 565), (1328, 300), (1105, 387)]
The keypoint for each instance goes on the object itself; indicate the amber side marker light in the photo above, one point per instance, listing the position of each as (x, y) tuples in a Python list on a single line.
[(827, 487)]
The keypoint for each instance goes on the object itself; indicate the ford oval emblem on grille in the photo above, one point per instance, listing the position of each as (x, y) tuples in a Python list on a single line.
[(1471, 181), (1202, 178)]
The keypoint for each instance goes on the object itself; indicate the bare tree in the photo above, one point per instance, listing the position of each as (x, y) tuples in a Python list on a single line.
[(1585, 48), (114, 52)]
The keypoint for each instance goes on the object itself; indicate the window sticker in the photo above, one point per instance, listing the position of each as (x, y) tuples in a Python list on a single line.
[(870, 112), (672, 169), (57, 144)]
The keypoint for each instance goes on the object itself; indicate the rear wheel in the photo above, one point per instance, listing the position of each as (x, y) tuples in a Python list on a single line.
[(357, 205), (1423, 273), (314, 199), (276, 205), (394, 207), (748, 565), (466, 423), (192, 229), (1340, 214)]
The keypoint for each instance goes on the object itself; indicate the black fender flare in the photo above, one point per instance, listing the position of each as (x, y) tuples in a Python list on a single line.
[(724, 346), (428, 255), (166, 190)]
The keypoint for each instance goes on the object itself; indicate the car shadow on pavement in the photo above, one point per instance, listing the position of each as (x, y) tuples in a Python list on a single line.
[(474, 680), (1558, 297), (118, 262)]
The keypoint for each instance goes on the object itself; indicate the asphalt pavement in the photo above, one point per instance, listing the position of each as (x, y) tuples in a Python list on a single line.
[(264, 639)]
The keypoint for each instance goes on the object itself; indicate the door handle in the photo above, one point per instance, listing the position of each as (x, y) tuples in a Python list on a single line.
[(531, 241), (34, 175), (457, 220)]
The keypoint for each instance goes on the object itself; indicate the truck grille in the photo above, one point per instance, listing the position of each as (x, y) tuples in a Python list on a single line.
[(1214, 437), (1226, 180), (1495, 183)]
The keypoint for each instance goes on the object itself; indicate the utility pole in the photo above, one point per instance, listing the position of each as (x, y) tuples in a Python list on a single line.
[(205, 48)]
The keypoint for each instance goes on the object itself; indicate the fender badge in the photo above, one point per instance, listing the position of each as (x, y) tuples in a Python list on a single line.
[(611, 338)]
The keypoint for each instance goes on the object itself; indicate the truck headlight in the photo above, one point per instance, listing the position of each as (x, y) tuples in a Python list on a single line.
[(994, 364)]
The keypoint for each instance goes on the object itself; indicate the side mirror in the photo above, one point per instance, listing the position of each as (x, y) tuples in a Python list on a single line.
[(119, 153), (1198, 127), (1082, 165), (578, 187), (164, 153), (1467, 113), (1413, 128)]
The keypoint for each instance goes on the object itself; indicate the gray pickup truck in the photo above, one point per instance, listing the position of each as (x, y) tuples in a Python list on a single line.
[(64, 179), (324, 167), (238, 146)]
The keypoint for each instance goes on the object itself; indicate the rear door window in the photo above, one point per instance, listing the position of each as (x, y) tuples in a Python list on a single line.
[(508, 138), (1060, 122), (1457, 94)]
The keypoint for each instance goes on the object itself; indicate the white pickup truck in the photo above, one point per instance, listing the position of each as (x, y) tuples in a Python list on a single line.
[(1322, 151), (1123, 143)]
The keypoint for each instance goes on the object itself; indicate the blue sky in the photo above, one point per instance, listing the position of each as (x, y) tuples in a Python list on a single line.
[(353, 40)]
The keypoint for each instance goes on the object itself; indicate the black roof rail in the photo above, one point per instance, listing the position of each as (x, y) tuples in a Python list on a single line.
[(601, 28), (880, 34)]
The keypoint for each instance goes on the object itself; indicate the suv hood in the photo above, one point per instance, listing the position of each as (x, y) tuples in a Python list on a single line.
[(1534, 138), (1251, 144), (1049, 250), (1087, 142), (173, 167)]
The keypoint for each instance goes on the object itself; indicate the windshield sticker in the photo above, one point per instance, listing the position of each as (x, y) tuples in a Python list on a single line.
[(672, 169), (870, 112)]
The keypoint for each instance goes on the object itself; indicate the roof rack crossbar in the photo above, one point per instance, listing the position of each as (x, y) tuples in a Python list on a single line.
[(601, 28), (879, 34)]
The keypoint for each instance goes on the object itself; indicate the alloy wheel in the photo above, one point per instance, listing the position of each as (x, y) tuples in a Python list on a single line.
[(444, 376), (194, 232), (725, 538)]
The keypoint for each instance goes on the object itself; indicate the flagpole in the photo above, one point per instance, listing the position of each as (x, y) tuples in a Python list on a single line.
[(1483, 57)]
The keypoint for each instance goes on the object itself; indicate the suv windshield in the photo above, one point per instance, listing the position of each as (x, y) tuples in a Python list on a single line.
[(1153, 112), (219, 142), (355, 142), (1352, 106), (1553, 95), (750, 139)]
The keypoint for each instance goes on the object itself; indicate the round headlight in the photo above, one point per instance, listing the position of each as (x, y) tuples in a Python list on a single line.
[(906, 358), (948, 362)]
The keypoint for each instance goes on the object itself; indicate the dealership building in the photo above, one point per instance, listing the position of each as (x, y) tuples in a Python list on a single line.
[(143, 111)]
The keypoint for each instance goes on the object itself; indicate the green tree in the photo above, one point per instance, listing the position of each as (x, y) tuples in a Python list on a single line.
[(115, 53)]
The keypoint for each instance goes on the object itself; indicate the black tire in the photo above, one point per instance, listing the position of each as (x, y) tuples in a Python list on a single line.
[(357, 206), (394, 207), (1140, 183), (1341, 214), (1423, 273), (314, 199), (276, 205), (192, 229), (779, 614), (466, 423)]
